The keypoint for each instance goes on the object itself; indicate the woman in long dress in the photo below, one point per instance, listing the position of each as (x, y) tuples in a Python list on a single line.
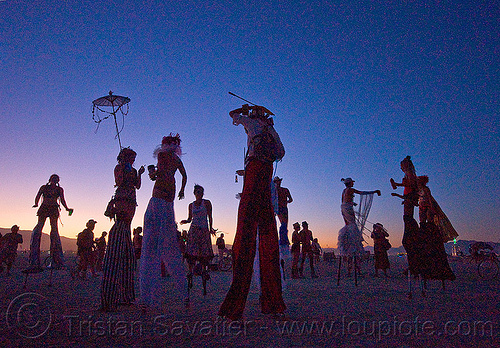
[(380, 247), (199, 245), (160, 244), (350, 242), (119, 261), (434, 258)]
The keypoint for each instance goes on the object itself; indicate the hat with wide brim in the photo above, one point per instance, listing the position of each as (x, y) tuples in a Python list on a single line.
[(347, 180)]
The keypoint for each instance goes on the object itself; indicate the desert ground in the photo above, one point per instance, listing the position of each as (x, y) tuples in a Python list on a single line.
[(63, 312)]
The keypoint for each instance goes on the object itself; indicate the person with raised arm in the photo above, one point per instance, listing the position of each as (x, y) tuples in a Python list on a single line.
[(117, 287), (255, 213), (160, 236), (350, 242), (51, 194)]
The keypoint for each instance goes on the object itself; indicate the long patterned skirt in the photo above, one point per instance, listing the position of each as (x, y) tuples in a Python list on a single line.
[(119, 266)]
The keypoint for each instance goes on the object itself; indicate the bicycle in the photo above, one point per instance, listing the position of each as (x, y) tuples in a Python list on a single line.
[(225, 263), (488, 265)]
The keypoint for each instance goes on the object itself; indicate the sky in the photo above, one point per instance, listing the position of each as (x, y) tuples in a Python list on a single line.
[(355, 85)]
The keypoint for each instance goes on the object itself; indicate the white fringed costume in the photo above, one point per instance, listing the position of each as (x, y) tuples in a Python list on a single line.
[(350, 241)]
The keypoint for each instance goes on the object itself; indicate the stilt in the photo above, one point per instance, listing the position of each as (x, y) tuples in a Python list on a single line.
[(355, 270), (423, 284), (190, 285), (338, 273), (283, 268), (50, 277), (189, 279), (409, 285), (205, 277)]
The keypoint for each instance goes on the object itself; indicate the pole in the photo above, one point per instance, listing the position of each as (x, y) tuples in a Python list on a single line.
[(338, 273), (116, 126), (237, 96)]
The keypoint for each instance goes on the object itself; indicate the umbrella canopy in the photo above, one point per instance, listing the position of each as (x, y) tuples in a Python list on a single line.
[(111, 100)]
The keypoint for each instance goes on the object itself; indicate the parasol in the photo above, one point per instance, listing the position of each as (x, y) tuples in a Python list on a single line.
[(101, 111)]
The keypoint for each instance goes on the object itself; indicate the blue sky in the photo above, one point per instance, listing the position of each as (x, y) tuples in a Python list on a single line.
[(355, 86)]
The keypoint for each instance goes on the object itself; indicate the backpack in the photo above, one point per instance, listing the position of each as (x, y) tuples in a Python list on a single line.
[(84, 240), (266, 147)]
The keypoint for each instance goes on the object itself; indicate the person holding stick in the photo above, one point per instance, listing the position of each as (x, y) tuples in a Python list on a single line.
[(255, 212)]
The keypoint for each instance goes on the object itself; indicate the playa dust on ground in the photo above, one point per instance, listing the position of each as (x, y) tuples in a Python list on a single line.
[(376, 313)]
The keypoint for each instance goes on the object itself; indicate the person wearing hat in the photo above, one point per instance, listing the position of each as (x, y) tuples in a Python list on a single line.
[(380, 246), (85, 244), (8, 248), (350, 242), (255, 213)]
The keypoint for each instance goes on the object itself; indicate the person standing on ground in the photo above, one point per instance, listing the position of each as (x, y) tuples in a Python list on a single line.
[(306, 239), (85, 244), (100, 244), (317, 250), (295, 250), (380, 247), (221, 246), (8, 248), (137, 241)]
